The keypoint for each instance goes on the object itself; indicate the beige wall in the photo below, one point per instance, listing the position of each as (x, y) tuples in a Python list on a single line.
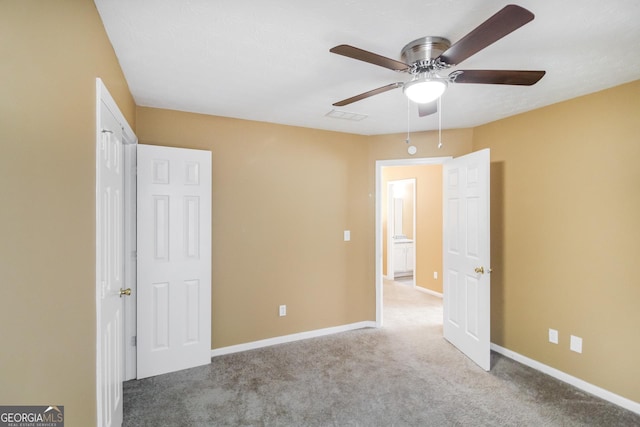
[(407, 213), (455, 142), (428, 220), (282, 197), (51, 52), (565, 230), (407, 207)]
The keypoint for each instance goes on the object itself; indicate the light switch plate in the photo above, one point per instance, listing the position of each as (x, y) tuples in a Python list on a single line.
[(553, 336), (347, 235), (576, 344)]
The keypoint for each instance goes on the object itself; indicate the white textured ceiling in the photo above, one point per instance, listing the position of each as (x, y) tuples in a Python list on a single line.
[(269, 60)]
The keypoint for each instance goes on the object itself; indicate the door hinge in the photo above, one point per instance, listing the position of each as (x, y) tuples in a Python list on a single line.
[(134, 341)]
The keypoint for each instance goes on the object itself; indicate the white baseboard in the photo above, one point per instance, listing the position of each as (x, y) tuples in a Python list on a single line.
[(569, 379), (428, 291), (290, 338)]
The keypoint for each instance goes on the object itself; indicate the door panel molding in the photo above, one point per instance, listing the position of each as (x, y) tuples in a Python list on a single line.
[(174, 259), (466, 255), (113, 266)]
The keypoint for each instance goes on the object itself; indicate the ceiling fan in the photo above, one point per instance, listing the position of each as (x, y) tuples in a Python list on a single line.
[(426, 57)]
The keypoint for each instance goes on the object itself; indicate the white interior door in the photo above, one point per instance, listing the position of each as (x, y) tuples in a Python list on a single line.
[(174, 259), (110, 267), (466, 255)]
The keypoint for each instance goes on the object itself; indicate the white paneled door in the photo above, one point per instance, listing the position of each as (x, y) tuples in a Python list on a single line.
[(466, 255), (174, 259), (110, 267)]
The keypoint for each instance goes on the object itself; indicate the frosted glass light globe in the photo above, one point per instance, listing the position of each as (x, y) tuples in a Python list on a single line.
[(424, 91)]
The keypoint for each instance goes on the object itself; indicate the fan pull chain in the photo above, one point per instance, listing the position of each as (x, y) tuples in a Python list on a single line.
[(408, 140), (439, 122)]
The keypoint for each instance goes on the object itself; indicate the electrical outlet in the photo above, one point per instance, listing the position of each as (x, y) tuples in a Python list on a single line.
[(283, 310), (435, 275), (576, 344), (553, 336), (347, 235)]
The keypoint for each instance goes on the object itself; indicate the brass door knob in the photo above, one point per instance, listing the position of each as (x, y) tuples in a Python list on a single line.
[(126, 292), (479, 270)]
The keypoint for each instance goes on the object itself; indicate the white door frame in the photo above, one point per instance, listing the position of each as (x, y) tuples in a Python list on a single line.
[(379, 165), (104, 98)]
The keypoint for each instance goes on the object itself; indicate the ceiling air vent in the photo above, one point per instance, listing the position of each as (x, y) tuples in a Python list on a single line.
[(345, 115)]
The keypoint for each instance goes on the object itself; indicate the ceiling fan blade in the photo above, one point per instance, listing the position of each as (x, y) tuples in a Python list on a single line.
[(498, 77), (367, 94), (428, 109), (505, 21), (370, 57)]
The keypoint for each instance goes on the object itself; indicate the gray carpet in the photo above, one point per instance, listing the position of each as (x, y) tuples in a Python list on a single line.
[(404, 374)]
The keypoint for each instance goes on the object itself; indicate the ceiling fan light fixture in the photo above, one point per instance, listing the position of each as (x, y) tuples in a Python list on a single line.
[(424, 90)]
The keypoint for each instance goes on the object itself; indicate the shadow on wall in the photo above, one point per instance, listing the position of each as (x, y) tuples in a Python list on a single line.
[(497, 253)]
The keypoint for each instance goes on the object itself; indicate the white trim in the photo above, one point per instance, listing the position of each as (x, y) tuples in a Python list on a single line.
[(100, 90), (131, 262), (428, 291), (379, 165), (290, 338), (569, 379), (104, 96)]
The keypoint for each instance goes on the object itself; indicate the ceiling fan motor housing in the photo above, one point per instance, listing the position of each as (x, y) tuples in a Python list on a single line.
[(422, 54)]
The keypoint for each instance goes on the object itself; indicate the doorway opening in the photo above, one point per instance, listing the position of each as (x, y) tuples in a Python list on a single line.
[(381, 217)]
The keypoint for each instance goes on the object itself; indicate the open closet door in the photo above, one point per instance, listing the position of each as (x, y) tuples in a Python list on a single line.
[(174, 259), (466, 255)]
